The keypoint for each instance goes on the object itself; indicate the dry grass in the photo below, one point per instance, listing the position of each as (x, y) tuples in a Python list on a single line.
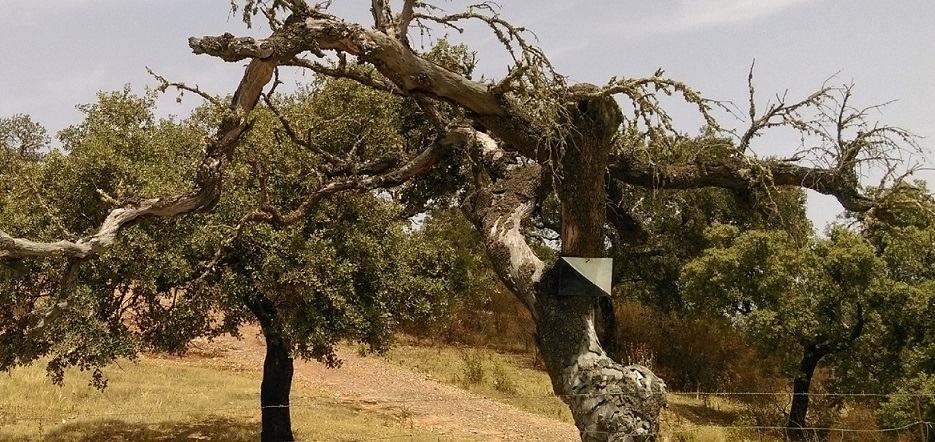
[(508, 378), (203, 397), (174, 400), (687, 418)]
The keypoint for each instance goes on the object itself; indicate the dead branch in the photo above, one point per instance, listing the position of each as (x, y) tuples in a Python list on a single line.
[(360, 74), (646, 107), (742, 174), (405, 19), (164, 85), (205, 193), (382, 15)]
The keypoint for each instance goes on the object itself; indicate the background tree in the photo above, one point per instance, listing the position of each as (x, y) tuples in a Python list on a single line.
[(472, 306), (804, 302), (900, 361), (343, 271)]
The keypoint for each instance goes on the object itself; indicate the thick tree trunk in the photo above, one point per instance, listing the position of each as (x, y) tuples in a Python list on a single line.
[(609, 402), (277, 374), (274, 393), (795, 427)]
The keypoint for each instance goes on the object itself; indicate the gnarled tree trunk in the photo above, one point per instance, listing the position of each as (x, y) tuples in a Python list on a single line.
[(609, 402)]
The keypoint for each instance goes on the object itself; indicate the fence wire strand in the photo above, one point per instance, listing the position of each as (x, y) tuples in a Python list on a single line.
[(74, 416)]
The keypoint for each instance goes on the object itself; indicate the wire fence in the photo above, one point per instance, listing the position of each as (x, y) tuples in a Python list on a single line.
[(923, 427)]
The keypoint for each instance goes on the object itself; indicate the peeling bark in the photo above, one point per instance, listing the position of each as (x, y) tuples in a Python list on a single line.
[(498, 212), (609, 402), (743, 174)]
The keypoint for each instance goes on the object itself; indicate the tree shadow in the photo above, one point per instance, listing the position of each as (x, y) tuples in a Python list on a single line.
[(112, 430)]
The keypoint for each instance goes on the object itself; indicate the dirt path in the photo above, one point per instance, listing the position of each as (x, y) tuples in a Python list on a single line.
[(377, 385)]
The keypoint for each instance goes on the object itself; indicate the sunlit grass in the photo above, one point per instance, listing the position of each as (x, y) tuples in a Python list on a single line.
[(173, 400), (202, 398), (510, 379)]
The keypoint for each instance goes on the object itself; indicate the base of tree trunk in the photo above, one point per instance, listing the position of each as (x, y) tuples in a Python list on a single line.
[(274, 394), (608, 401)]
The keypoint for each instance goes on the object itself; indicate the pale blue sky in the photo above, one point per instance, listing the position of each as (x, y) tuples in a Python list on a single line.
[(58, 53)]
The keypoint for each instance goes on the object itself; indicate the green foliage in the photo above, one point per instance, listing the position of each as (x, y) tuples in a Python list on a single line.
[(438, 188), (120, 150), (911, 402), (344, 271), (838, 297), (468, 303), (502, 380), (783, 295), (21, 138), (676, 222)]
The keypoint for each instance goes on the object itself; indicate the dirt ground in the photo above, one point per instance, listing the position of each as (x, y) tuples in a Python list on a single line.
[(372, 384)]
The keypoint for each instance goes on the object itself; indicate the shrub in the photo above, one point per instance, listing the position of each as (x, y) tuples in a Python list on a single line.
[(692, 352), (474, 372), (502, 381)]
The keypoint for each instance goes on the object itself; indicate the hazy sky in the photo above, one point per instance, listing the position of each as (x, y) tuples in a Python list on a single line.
[(58, 53)]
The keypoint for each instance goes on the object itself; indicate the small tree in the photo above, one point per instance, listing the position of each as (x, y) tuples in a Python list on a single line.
[(811, 301), (343, 271)]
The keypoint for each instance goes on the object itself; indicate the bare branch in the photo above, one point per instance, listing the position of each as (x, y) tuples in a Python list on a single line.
[(382, 16), (166, 84), (230, 48), (204, 195), (742, 174), (646, 106), (360, 74), (405, 18), (408, 71), (531, 65), (779, 114)]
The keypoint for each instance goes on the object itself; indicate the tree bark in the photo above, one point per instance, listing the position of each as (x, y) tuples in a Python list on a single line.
[(796, 425), (609, 402), (274, 392), (278, 369)]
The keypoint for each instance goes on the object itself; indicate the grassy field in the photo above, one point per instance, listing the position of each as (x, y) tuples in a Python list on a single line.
[(205, 398), (171, 400), (512, 379)]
